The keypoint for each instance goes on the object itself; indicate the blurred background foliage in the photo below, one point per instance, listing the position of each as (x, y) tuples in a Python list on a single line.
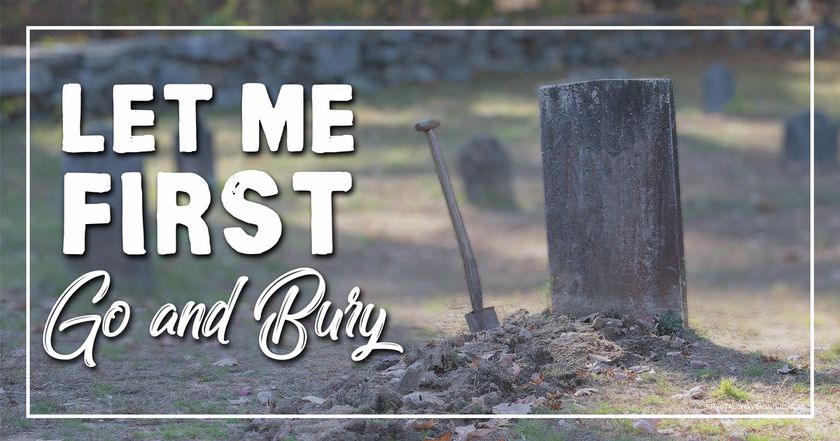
[(17, 14)]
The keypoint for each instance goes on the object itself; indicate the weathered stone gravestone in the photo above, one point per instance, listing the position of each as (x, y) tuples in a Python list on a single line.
[(202, 160), (797, 146), (718, 88), (485, 168), (612, 198), (103, 247)]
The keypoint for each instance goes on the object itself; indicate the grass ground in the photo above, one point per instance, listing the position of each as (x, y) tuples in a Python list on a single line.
[(746, 225)]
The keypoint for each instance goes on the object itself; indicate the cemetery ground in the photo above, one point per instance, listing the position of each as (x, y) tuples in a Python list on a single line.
[(746, 242)]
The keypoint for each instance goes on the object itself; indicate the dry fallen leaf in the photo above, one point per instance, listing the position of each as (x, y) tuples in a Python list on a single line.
[(266, 398), (463, 431), (421, 424), (227, 361), (598, 367), (647, 425), (445, 436), (506, 359), (599, 358), (787, 369), (695, 393), (767, 358), (586, 391), (314, 400), (511, 408), (482, 434), (698, 363)]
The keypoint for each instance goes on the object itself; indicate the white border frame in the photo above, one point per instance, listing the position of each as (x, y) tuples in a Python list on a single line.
[(29, 414)]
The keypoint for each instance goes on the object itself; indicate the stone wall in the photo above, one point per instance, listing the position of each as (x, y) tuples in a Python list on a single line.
[(366, 59)]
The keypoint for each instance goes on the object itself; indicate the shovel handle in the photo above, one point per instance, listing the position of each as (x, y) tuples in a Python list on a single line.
[(470, 266)]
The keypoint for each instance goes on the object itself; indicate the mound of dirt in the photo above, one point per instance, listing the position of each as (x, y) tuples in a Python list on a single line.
[(531, 362)]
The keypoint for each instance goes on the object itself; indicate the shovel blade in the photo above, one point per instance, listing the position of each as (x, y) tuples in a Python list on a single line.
[(482, 319)]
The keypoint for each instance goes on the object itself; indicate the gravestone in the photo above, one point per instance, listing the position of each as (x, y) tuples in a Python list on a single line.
[(718, 88), (612, 198), (797, 147), (485, 168), (202, 160), (103, 247)]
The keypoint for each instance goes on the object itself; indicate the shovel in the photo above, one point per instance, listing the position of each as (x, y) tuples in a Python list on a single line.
[(480, 318)]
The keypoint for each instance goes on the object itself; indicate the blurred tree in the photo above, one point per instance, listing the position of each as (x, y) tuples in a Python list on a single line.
[(15, 15)]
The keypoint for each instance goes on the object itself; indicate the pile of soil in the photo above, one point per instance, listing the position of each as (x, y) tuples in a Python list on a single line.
[(531, 362)]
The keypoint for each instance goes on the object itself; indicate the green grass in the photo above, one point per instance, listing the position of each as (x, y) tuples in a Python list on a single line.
[(200, 406), (754, 437), (767, 424), (203, 430), (706, 373), (727, 389), (759, 369), (653, 400), (555, 372), (44, 406), (665, 387), (11, 421), (831, 354), (605, 409), (537, 430), (102, 389), (707, 428)]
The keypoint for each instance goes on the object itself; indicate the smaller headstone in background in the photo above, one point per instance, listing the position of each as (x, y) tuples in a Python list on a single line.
[(485, 168), (798, 139), (597, 73), (202, 160), (103, 246), (718, 88)]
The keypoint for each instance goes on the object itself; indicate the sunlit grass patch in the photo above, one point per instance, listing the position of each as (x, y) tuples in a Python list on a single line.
[(756, 437), (727, 389), (707, 428), (606, 409), (767, 423), (653, 400), (665, 387), (801, 388), (831, 354)]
